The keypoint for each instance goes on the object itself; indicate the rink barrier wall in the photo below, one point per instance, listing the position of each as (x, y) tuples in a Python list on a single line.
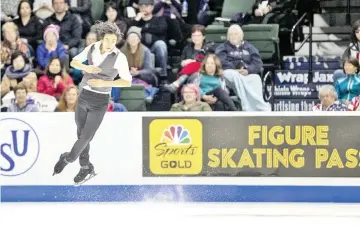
[(202, 157)]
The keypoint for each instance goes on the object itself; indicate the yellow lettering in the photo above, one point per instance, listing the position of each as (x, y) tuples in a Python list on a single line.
[(296, 158), (308, 134), (335, 160), (269, 158), (254, 133), (245, 160), (259, 152), (322, 135), (276, 139), (227, 158), (351, 157), (321, 155), (264, 140), (214, 160), (282, 158), (297, 136)]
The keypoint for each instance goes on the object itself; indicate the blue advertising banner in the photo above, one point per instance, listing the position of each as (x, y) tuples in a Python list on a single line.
[(294, 104), (301, 77), (295, 91)]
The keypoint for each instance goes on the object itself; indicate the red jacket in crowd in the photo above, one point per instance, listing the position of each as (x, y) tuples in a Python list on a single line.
[(46, 85)]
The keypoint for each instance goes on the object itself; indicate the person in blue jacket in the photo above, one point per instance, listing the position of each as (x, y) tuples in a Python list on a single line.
[(348, 87), (51, 47)]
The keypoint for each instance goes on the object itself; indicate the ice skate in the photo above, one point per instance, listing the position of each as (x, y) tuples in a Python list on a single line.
[(85, 174), (60, 165)]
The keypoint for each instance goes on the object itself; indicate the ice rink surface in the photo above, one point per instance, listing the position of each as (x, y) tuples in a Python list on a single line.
[(172, 219)]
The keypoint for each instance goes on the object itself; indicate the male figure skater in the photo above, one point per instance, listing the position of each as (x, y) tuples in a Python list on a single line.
[(105, 62)]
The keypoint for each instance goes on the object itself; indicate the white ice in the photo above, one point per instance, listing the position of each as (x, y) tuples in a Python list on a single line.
[(173, 219)]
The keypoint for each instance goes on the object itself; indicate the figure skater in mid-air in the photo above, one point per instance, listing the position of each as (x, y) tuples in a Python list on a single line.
[(105, 62)]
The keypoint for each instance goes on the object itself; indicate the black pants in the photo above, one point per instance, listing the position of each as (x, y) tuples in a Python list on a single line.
[(89, 113), (224, 102)]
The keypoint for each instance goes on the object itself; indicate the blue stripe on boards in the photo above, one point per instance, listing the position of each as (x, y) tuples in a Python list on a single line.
[(189, 193)]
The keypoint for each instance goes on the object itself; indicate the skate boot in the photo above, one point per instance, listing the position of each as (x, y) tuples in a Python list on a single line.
[(82, 176), (60, 165)]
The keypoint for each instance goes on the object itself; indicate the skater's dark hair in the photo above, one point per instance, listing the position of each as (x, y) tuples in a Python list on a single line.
[(105, 27)]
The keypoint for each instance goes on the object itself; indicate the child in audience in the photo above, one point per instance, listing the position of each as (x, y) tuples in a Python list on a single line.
[(55, 79)]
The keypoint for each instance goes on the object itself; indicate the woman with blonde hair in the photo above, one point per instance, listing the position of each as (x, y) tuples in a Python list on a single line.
[(68, 99), (212, 85), (11, 43)]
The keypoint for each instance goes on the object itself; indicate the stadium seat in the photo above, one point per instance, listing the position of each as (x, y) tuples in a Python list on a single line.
[(133, 98), (230, 7), (97, 9), (265, 38)]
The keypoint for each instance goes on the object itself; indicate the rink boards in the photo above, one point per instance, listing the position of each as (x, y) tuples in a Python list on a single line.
[(203, 157)]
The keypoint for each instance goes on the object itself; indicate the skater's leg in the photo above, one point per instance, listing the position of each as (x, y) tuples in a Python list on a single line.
[(97, 104), (80, 119)]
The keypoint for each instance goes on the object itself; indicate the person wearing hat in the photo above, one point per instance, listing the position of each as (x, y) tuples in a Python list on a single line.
[(51, 47), (140, 62), (105, 63), (154, 30)]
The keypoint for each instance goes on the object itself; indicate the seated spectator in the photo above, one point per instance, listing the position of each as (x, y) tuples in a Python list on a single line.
[(191, 102), (43, 9), (55, 79), (30, 27), (20, 70), (139, 57), (153, 34), (9, 10), (113, 15), (22, 103), (352, 51), (329, 100), (68, 99), (348, 87), (212, 85), (51, 47), (191, 57), (242, 64), (70, 26), (171, 10), (82, 9), (12, 42)]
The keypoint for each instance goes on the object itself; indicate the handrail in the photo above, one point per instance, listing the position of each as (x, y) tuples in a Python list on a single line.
[(348, 13), (302, 18), (307, 39)]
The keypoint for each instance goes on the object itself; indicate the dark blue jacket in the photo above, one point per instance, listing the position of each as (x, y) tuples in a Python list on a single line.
[(246, 56)]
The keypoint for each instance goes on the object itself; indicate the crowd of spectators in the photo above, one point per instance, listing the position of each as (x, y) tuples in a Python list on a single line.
[(40, 38)]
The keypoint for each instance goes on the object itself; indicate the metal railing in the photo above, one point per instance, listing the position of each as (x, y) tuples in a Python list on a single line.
[(306, 39), (348, 13)]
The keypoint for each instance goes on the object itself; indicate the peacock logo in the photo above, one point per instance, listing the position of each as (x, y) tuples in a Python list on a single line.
[(176, 135), (175, 146)]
